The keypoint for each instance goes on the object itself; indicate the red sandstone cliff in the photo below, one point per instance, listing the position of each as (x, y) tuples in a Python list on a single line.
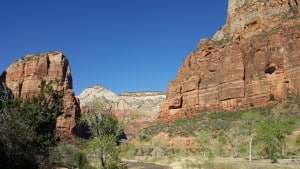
[(253, 61), (24, 76)]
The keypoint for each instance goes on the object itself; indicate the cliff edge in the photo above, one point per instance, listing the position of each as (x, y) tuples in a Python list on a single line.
[(24, 76), (252, 61)]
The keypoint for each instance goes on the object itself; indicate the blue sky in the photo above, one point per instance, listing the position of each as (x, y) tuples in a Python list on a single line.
[(124, 45)]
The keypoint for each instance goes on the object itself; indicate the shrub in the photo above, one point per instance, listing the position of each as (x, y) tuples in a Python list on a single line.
[(298, 140), (80, 159), (62, 155)]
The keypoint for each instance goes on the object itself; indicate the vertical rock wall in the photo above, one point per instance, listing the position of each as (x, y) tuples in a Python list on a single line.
[(253, 61), (24, 77)]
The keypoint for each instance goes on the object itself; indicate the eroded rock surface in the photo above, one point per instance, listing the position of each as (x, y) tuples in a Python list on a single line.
[(253, 61), (24, 77), (141, 109)]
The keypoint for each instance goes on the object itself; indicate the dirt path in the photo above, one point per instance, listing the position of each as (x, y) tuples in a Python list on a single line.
[(139, 165)]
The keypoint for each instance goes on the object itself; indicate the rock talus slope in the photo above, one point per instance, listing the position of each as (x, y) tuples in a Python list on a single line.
[(252, 61), (24, 77)]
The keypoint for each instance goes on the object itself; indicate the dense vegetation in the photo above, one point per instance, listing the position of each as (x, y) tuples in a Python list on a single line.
[(28, 135), (27, 129), (261, 133)]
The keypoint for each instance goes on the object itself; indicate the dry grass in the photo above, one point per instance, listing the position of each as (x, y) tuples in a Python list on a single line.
[(232, 163), (197, 162)]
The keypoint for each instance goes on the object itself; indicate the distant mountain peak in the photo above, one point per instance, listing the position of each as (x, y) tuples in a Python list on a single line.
[(144, 106)]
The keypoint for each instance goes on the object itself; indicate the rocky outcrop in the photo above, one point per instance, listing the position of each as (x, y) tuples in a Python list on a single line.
[(5, 93), (253, 61), (24, 77), (143, 102), (139, 109), (249, 17)]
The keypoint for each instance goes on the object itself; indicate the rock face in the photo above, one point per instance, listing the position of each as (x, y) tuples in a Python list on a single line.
[(24, 77), (5, 93), (140, 108), (253, 61)]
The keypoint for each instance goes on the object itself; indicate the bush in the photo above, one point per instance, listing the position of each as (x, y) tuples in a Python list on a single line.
[(89, 167), (159, 146), (298, 140), (80, 159), (128, 151), (62, 155)]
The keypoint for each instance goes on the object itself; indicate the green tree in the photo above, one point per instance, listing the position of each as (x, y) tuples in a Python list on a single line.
[(100, 118), (272, 135), (234, 140), (105, 129), (248, 128), (27, 128), (105, 148), (17, 142), (220, 144), (204, 138)]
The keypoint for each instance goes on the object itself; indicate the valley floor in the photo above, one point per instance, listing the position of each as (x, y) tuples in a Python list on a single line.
[(197, 162), (141, 165)]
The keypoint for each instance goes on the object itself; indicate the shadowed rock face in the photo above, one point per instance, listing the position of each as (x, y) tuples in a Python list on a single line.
[(5, 93), (252, 61), (24, 77), (141, 109)]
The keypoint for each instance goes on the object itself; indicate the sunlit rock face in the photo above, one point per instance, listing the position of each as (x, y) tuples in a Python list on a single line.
[(248, 17), (24, 76), (139, 109), (252, 61)]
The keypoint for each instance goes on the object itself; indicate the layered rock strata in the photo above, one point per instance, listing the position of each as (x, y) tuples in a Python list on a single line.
[(24, 77), (138, 109), (253, 61)]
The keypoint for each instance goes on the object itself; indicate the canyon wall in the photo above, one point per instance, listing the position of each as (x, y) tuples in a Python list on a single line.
[(24, 76), (252, 61), (139, 109), (5, 93)]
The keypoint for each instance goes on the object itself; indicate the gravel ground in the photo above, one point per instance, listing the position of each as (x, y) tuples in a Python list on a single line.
[(139, 165)]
